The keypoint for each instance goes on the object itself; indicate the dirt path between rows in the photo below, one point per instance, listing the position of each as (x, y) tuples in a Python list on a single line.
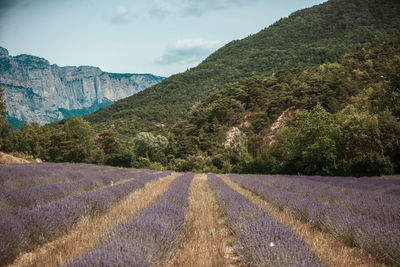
[(88, 231), (207, 241), (327, 249)]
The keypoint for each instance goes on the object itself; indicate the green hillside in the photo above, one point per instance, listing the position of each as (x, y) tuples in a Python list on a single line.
[(363, 87), (307, 37)]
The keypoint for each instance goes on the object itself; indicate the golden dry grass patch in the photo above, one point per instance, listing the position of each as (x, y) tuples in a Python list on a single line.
[(206, 240), (88, 231), (328, 250), (6, 159)]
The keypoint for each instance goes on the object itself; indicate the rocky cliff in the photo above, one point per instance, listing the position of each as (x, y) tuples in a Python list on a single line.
[(36, 91)]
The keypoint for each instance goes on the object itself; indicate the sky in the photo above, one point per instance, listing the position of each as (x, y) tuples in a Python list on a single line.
[(162, 37)]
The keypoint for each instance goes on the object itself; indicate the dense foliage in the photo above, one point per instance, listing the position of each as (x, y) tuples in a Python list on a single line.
[(2, 103), (347, 119), (3, 125), (353, 141), (307, 37)]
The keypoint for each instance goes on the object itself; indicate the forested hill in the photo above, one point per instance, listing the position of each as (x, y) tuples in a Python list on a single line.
[(307, 37), (347, 120)]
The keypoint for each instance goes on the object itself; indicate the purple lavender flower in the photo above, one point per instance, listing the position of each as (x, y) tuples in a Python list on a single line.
[(22, 228), (147, 239), (259, 239), (366, 218)]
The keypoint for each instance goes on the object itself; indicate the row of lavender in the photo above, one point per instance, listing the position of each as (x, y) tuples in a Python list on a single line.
[(380, 206), (386, 185), (363, 219), (259, 239), (30, 175), (42, 194), (149, 238), (21, 229)]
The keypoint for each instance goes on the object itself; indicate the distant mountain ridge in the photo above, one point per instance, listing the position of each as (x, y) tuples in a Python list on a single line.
[(36, 91), (308, 37)]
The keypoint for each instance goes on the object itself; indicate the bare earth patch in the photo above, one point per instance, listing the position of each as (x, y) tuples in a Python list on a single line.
[(207, 241), (280, 122), (88, 231), (9, 159), (328, 250)]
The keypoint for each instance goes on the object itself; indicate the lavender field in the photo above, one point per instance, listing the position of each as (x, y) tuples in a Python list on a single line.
[(91, 215)]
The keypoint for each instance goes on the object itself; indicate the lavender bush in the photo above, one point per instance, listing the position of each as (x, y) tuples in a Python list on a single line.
[(380, 206), (30, 175), (259, 239), (42, 194), (388, 186), (147, 239), (367, 223), (21, 229)]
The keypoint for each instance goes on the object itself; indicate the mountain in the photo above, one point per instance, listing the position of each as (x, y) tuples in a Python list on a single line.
[(308, 37), (36, 91)]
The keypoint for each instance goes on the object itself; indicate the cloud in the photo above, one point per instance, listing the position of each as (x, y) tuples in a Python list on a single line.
[(160, 9), (121, 16), (188, 51), (199, 7), (164, 8)]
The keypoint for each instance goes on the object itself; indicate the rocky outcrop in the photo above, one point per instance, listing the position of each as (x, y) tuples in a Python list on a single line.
[(283, 120), (36, 91)]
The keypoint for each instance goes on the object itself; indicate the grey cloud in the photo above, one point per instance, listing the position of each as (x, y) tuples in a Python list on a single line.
[(160, 9), (121, 16), (199, 7), (188, 51), (164, 8)]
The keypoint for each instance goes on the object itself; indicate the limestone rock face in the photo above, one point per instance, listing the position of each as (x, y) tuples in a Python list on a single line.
[(36, 91)]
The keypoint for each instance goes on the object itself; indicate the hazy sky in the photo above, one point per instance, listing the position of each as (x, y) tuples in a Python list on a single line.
[(162, 37)]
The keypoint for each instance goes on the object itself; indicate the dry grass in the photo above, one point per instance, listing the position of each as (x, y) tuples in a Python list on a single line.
[(206, 240), (10, 159), (87, 232), (328, 250)]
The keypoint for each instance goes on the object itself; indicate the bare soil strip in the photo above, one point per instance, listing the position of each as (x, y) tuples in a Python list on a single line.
[(88, 231), (328, 250), (207, 241)]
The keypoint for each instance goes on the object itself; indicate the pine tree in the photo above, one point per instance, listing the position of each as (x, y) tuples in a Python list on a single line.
[(2, 103), (4, 127)]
